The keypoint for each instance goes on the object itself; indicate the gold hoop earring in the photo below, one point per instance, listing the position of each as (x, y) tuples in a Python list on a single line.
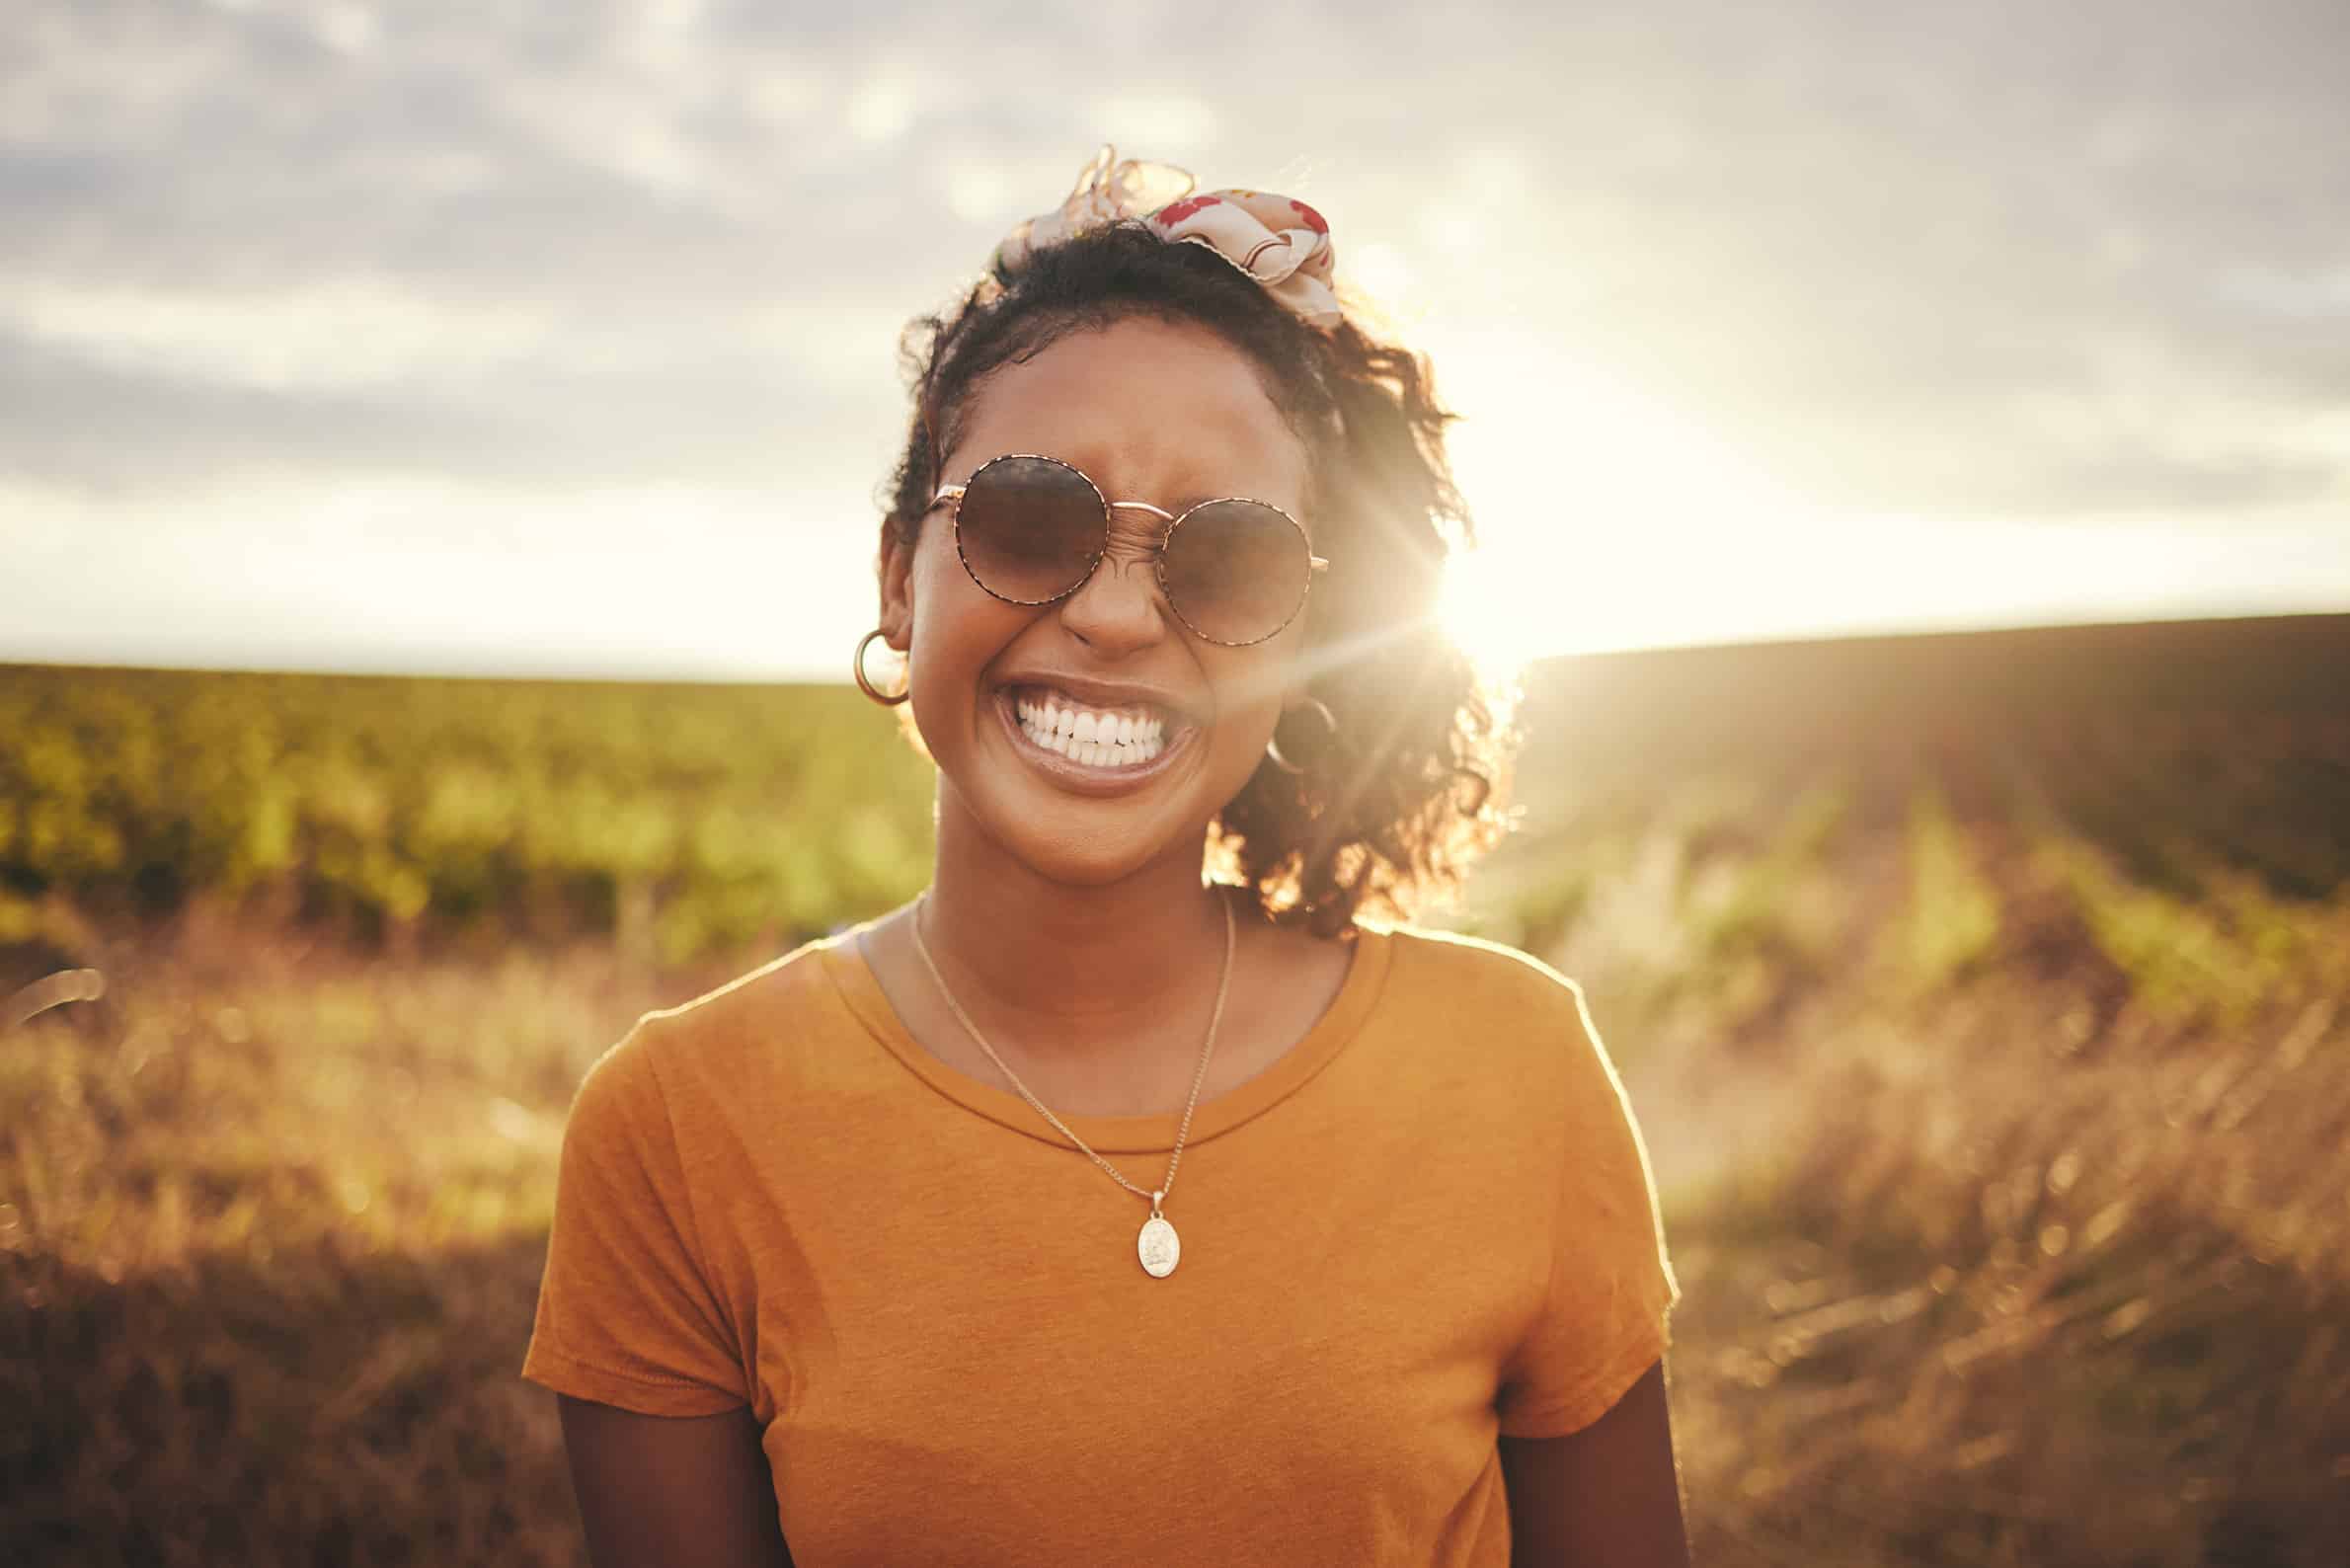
[(856, 667), (1329, 732)]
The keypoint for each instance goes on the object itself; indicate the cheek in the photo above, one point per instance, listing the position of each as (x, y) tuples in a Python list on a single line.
[(1249, 685), (956, 629), (941, 595)]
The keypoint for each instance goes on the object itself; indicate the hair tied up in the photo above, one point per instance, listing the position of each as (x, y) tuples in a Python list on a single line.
[(1275, 241)]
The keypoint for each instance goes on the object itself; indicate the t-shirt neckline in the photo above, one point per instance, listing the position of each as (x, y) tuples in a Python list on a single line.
[(1366, 973)]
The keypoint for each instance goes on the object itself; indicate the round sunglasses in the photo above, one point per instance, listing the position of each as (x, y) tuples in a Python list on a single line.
[(1032, 530)]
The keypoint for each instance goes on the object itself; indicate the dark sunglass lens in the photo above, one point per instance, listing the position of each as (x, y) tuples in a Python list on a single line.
[(1237, 570), (1030, 528)]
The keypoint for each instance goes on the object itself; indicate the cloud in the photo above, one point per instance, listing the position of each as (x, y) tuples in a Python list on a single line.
[(2061, 261), (561, 419)]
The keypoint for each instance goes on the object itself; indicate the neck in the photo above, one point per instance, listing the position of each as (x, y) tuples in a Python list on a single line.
[(1077, 971)]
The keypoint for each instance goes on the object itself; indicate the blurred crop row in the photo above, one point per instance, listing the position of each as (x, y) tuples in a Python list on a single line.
[(683, 819)]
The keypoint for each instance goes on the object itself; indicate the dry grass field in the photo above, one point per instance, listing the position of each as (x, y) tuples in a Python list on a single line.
[(1988, 1014)]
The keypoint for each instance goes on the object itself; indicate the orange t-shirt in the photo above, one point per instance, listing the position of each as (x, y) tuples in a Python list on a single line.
[(1429, 1224)]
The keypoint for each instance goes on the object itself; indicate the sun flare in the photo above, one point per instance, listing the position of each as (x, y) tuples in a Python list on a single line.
[(1488, 615), (1607, 515)]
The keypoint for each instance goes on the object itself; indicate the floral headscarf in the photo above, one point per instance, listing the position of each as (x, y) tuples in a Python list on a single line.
[(1281, 243)]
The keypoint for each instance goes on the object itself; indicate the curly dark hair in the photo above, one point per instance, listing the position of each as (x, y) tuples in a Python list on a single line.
[(1404, 794)]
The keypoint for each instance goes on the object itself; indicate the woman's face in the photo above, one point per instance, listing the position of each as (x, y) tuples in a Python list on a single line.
[(1150, 410)]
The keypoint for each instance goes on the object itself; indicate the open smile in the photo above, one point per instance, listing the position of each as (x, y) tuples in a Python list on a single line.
[(1092, 749)]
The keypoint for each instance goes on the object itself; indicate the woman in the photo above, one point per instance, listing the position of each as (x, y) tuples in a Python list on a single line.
[(881, 1248)]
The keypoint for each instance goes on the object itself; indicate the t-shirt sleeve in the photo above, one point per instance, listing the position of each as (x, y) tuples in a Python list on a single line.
[(626, 1314), (1612, 1286)]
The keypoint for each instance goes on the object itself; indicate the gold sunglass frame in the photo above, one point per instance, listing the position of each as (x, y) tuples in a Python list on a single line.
[(1159, 551)]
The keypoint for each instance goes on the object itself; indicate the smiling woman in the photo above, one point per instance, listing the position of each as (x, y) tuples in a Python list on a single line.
[(876, 1242)]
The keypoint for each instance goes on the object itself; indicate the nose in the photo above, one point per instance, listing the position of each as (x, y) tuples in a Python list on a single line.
[(1120, 608)]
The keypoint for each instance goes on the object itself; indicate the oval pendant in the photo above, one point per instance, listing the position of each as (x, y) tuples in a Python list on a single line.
[(1158, 1246)]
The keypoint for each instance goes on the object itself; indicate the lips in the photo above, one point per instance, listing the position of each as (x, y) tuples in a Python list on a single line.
[(1095, 737), (1094, 747)]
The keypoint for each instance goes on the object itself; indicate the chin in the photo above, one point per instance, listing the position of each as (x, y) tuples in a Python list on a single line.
[(1081, 837), (1083, 847)]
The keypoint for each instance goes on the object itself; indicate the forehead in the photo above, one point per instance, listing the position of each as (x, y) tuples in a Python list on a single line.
[(1153, 410)]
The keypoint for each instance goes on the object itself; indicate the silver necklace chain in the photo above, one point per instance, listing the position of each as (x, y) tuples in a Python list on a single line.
[(1222, 986)]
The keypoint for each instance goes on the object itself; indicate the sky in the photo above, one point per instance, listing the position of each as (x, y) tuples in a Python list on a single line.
[(559, 337)]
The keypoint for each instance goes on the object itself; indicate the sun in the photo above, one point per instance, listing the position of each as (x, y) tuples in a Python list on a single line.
[(1489, 612), (1607, 516)]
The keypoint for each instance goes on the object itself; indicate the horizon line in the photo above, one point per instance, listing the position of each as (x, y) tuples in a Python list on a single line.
[(605, 675)]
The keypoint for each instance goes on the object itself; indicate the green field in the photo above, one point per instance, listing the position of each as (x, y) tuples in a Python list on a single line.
[(1986, 1003), (681, 820)]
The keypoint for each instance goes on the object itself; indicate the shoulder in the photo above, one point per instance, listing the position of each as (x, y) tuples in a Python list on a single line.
[(1471, 973), (796, 981), (1528, 1022), (712, 1040)]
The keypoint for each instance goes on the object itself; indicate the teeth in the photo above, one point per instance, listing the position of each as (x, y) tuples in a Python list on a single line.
[(1088, 737)]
